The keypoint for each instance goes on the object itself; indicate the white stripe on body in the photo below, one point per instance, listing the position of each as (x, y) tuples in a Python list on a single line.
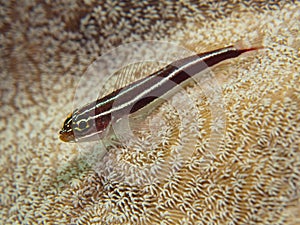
[(136, 98)]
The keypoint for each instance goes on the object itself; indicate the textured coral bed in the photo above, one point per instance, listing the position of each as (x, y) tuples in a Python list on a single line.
[(250, 174)]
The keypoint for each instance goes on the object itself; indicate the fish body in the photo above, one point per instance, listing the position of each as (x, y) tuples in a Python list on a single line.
[(93, 120)]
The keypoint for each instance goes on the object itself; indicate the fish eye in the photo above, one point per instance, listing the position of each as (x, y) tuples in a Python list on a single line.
[(82, 125)]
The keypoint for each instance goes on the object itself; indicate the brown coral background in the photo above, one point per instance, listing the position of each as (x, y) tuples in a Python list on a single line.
[(253, 177)]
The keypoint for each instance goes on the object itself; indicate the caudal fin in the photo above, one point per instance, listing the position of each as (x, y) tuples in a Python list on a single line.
[(247, 45)]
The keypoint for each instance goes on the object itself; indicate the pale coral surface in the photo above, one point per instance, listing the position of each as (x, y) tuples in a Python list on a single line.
[(248, 175)]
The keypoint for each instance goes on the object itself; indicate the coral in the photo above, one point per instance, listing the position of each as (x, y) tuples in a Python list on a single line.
[(182, 174)]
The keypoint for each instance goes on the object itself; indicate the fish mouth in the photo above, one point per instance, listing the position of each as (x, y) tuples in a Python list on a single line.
[(66, 136)]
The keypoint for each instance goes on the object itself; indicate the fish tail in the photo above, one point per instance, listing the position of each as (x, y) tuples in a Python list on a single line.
[(246, 45)]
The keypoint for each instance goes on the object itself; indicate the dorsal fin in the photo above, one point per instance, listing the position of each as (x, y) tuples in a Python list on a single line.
[(128, 74)]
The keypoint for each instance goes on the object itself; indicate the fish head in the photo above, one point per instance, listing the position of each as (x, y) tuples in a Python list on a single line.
[(83, 127)]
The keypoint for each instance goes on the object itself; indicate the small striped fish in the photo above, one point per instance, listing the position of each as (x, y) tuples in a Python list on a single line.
[(93, 120)]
